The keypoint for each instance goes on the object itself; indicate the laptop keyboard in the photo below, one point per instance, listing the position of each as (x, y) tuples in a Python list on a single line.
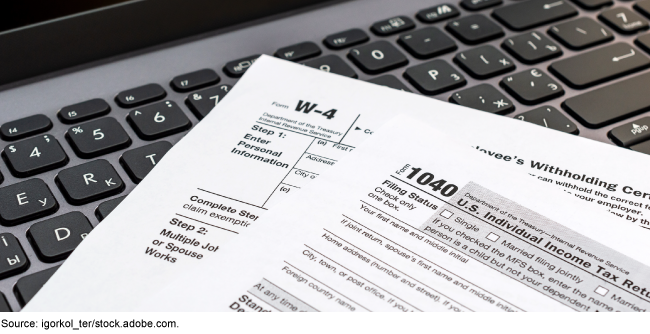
[(94, 130)]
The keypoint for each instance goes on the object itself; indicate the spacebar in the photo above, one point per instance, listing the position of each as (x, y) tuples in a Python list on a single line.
[(611, 103)]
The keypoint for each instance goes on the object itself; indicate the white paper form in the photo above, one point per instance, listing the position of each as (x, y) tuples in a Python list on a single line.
[(418, 224), (255, 148)]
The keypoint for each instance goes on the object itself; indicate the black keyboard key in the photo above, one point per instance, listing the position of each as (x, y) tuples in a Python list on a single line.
[(25, 127), (392, 26), (140, 95), (623, 20), (194, 80), (427, 43), (484, 62), (389, 81), (479, 4), (298, 51), (611, 103), (97, 137), (26, 201), (34, 155), (4, 305), (549, 117), (158, 120), (593, 67), (27, 286), (237, 68), (531, 47), (104, 209), (138, 162), (377, 57), (593, 4), (201, 102), (333, 64), (643, 147), (437, 13), (89, 182), (474, 29), (631, 133), (483, 97), (83, 111), (643, 7), (345, 39), (54, 239), (580, 33), (12, 256), (532, 86), (643, 42), (434, 77), (533, 13)]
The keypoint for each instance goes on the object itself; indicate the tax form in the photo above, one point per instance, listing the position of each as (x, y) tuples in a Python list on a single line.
[(418, 224), (282, 126)]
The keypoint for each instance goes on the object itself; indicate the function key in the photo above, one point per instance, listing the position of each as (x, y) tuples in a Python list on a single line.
[(532, 86), (427, 43), (479, 4), (298, 51), (346, 39), (533, 13), (483, 97), (140, 161), (600, 65), (631, 133), (332, 64), (194, 80), (89, 182), (623, 20), (158, 120), (34, 155), (377, 57), (389, 81), (549, 117), (580, 33), (437, 13), (27, 286), (97, 137), (532, 47), (593, 4), (140, 95), (484, 62), (237, 68), (54, 239), (203, 101), (392, 26), (104, 209), (14, 260), (25, 201), (25, 127), (474, 29), (434, 77), (83, 111)]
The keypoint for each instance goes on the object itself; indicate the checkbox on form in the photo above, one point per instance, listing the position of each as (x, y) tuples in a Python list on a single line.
[(601, 291), (492, 237), (446, 214)]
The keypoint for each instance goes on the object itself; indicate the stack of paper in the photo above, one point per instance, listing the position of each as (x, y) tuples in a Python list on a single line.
[(447, 230)]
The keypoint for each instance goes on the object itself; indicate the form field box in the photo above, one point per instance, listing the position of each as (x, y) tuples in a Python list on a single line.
[(446, 214)]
